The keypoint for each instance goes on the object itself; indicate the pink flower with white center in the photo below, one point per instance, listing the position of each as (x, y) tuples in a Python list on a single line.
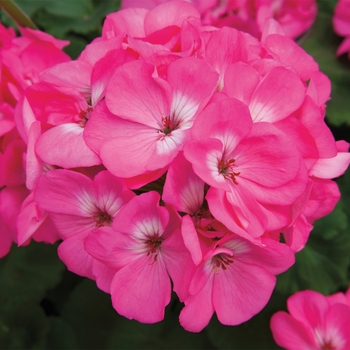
[(146, 250), (248, 165), (314, 322), (157, 114), (78, 205), (341, 25), (235, 279)]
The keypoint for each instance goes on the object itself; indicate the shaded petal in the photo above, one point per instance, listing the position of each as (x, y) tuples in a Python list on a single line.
[(291, 334), (71, 251), (280, 93), (64, 145), (142, 289), (241, 291)]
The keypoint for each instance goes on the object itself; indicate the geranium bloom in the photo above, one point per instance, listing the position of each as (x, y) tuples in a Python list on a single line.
[(145, 249), (155, 116), (235, 279), (240, 161), (295, 16), (341, 24), (78, 205), (314, 322)]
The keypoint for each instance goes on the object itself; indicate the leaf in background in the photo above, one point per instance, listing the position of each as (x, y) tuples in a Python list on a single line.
[(326, 6), (97, 325), (60, 335), (24, 328), (322, 43), (90, 314), (26, 274), (324, 262)]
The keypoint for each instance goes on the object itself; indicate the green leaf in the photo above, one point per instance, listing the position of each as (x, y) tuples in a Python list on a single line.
[(323, 264), (60, 335), (89, 312), (326, 6), (28, 273), (24, 328), (322, 44)]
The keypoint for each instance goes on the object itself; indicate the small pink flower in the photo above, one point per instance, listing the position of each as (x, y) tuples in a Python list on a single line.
[(341, 24), (145, 249), (78, 205), (314, 322)]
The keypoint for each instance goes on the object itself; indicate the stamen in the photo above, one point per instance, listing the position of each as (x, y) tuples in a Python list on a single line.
[(225, 168), (103, 219), (84, 116), (221, 260), (168, 125), (153, 246)]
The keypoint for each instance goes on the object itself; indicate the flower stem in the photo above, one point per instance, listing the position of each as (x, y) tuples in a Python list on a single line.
[(12, 9)]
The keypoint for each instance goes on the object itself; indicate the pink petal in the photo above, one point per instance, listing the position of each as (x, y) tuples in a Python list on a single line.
[(183, 189), (172, 13), (141, 290), (120, 23), (74, 74), (240, 81), (198, 309), (291, 334), (103, 70), (308, 307), (191, 239), (64, 145), (280, 93), (142, 103), (66, 192), (241, 291), (71, 251), (291, 54)]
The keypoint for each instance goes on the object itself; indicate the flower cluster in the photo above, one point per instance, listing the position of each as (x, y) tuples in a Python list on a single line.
[(341, 24), (294, 16), (314, 322), (174, 155), (22, 60)]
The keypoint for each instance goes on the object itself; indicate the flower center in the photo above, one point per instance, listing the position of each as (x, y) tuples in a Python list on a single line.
[(225, 168), (103, 219), (153, 245), (168, 125), (84, 116), (327, 346), (221, 260)]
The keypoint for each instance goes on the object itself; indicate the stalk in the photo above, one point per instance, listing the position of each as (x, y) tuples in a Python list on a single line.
[(12, 9)]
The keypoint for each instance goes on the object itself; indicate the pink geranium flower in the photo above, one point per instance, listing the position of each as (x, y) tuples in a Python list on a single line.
[(235, 279), (245, 168), (295, 16), (145, 250), (155, 116), (314, 322), (78, 205), (341, 24)]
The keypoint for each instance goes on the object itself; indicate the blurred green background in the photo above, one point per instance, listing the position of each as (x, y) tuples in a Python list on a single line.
[(43, 306)]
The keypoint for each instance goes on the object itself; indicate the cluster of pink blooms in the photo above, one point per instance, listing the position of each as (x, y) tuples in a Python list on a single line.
[(22, 60), (294, 16), (169, 155), (341, 24), (315, 322)]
